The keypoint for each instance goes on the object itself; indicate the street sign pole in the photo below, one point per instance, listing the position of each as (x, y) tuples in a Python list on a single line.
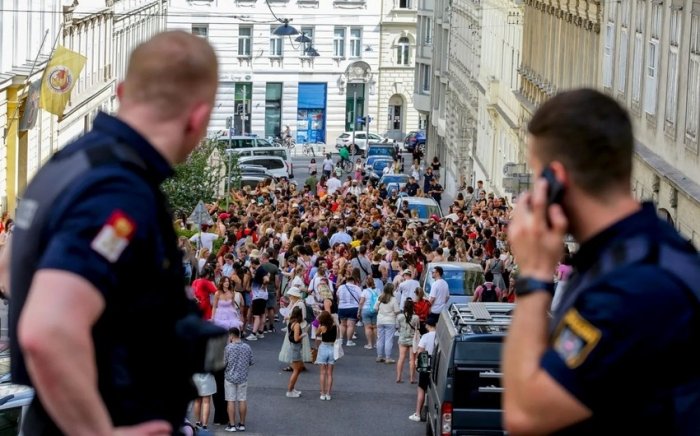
[(243, 112), (229, 124)]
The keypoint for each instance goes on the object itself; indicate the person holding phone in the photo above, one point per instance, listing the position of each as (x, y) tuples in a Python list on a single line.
[(580, 370)]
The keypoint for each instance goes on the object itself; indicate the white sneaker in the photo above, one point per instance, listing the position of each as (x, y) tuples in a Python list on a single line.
[(322, 397), (350, 344), (292, 394), (368, 347), (354, 336), (251, 337), (260, 335), (296, 391), (359, 324), (414, 417), (328, 397)]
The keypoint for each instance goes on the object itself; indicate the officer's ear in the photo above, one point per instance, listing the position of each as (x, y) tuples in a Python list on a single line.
[(198, 119)]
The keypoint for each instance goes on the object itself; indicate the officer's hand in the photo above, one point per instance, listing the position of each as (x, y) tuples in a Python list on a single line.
[(537, 247), (150, 428)]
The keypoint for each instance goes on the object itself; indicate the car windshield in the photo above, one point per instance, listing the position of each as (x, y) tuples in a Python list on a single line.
[(344, 135), (423, 211), (460, 282), (380, 164), (279, 152), (264, 143), (398, 178), (380, 151)]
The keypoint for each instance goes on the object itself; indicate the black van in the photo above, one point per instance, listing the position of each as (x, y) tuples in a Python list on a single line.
[(464, 393)]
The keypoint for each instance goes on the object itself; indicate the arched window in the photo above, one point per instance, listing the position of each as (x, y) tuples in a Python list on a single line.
[(402, 51)]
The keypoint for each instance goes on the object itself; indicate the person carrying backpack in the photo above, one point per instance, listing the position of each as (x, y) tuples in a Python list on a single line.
[(488, 292), (368, 311)]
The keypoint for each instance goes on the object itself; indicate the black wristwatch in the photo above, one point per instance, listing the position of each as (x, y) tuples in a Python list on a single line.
[(528, 285)]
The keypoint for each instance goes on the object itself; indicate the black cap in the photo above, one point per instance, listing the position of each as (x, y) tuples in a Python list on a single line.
[(431, 321)]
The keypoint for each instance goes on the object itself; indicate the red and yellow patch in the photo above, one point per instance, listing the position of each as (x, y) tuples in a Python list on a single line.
[(114, 237)]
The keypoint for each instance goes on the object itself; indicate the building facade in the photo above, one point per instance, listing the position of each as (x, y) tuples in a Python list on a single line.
[(29, 31), (424, 58), (560, 51), (268, 82), (456, 52), (651, 64), (396, 112), (499, 109)]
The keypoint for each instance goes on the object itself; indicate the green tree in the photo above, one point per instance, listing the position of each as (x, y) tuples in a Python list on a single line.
[(201, 177)]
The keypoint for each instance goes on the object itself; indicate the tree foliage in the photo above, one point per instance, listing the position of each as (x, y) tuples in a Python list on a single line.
[(201, 177)]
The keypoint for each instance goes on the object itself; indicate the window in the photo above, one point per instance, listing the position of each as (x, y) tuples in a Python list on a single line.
[(692, 110), (404, 4), (276, 43), (425, 78), (624, 46), (427, 30), (245, 37), (355, 42), (309, 33), (674, 35), (339, 42), (638, 56), (608, 54), (201, 30), (402, 51), (652, 68)]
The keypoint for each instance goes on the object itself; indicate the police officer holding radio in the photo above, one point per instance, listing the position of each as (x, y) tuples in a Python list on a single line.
[(99, 321), (616, 356)]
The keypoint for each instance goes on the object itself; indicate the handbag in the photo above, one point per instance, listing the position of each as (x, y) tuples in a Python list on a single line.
[(338, 351), (416, 340)]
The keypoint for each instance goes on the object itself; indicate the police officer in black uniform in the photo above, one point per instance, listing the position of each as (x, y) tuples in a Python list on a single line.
[(99, 321), (617, 356)]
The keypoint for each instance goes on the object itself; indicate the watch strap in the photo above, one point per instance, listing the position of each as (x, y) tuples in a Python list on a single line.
[(528, 285)]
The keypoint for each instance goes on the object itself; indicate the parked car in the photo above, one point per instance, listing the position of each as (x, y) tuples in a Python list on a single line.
[(275, 165), (244, 142), (374, 166), (282, 152), (414, 139), (464, 390), (361, 140), (462, 278), (394, 182), (251, 180), (421, 207)]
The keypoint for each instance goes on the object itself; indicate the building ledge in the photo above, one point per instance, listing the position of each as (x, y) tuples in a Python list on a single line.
[(687, 186)]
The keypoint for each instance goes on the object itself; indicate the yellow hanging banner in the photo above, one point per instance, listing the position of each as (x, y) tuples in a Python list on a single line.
[(59, 78)]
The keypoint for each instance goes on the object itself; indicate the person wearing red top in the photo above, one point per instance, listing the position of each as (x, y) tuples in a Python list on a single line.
[(421, 307), (203, 288)]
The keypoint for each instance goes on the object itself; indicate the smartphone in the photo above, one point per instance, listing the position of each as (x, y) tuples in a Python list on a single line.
[(555, 189)]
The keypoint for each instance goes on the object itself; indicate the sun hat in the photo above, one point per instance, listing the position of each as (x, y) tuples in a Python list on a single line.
[(294, 292)]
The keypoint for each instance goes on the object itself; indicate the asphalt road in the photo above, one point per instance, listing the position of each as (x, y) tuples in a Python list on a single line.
[(366, 399)]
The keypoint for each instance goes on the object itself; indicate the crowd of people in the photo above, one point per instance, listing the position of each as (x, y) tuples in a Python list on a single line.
[(329, 258)]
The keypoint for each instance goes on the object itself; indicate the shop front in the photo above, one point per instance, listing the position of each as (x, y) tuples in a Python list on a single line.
[(311, 113)]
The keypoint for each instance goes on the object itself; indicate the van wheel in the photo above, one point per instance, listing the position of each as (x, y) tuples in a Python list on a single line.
[(428, 429)]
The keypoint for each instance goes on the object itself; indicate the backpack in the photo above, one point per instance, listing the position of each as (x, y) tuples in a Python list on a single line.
[(373, 296), (489, 295)]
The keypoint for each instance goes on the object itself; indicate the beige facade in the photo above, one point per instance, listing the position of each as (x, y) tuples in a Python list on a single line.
[(498, 143), (651, 63), (86, 27), (396, 114)]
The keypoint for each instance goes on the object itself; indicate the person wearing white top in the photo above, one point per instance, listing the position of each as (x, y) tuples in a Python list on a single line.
[(426, 343), (439, 293), (204, 239), (333, 184), (387, 307), (349, 295), (407, 288)]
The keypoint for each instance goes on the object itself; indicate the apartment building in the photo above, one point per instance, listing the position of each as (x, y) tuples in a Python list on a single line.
[(423, 64), (267, 81), (651, 64)]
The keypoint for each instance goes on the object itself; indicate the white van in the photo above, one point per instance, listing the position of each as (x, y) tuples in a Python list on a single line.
[(281, 152), (275, 165)]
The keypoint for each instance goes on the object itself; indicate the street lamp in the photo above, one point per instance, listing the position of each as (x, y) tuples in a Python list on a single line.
[(285, 29), (229, 155)]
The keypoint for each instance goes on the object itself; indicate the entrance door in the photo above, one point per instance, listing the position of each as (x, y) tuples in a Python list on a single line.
[(354, 99), (395, 118)]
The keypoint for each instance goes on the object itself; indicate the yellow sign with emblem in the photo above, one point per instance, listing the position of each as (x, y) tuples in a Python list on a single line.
[(575, 338), (59, 78)]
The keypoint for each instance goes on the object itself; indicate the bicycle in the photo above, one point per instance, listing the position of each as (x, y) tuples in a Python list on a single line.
[(308, 149), (345, 165), (290, 142)]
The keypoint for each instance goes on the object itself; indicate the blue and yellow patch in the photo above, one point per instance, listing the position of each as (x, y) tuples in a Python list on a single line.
[(575, 338)]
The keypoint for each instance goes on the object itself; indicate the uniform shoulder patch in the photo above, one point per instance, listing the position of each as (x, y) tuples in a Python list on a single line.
[(575, 338), (114, 237)]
